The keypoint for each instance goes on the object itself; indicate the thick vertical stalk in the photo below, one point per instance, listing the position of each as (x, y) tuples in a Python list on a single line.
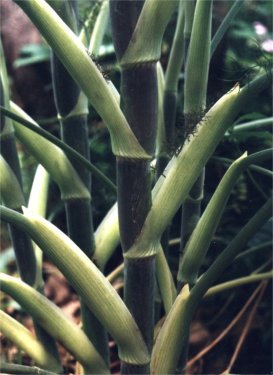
[(134, 197), (139, 103), (72, 109)]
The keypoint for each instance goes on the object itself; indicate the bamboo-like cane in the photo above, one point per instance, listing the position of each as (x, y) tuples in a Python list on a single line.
[(139, 100), (72, 107)]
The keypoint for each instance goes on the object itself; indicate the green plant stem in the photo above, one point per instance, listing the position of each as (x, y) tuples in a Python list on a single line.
[(165, 281), (226, 257), (37, 203), (102, 299), (225, 24), (99, 29), (25, 340), (254, 249), (115, 273), (251, 90), (199, 242), (191, 211), (176, 57), (69, 150), (254, 168), (107, 237), (55, 322), (253, 125), (168, 348), (189, 14), (11, 192), (11, 368), (197, 63), (238, 282)]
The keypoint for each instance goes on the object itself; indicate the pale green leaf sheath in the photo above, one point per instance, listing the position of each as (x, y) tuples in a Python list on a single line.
[(25, 340), (169, 347), (199, 242), (182, 171), (166, 351), (145, 44), (21, 118), (53, 160), (107, 237), (55, 322), (72, 53), (10, 189), (91, 285), (37, 203)]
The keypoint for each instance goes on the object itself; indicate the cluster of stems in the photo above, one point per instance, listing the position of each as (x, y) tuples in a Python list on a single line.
[(141, 122)]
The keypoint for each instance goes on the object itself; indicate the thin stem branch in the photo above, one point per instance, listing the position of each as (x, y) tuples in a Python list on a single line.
[(254, 249), (225, 25), (253, 125), (115, 273), (253, 278), (11, 368), (253, 167)]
